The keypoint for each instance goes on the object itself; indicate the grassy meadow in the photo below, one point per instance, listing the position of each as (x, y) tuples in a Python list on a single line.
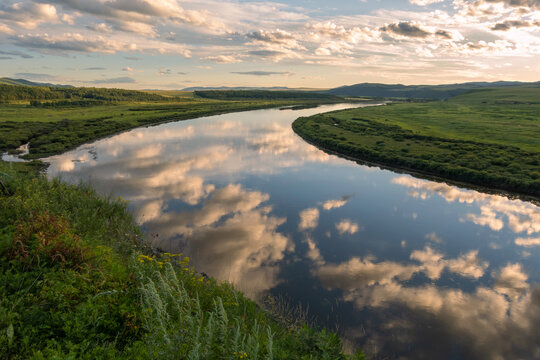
[(487, 137), (54, 120)]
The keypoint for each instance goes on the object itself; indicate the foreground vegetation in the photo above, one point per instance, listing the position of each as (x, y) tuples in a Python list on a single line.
[(487, 137), (78, 282), (57, 119)]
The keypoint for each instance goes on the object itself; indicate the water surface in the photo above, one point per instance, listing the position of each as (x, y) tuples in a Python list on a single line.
[(404, 267)]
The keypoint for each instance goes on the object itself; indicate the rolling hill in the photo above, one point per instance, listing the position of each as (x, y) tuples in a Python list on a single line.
[(431, 92)]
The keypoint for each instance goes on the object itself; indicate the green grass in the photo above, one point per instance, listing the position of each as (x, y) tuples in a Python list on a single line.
[(77, 282), (488, 137), (52, 130)]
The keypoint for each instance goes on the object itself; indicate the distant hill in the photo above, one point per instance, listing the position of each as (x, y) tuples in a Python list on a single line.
[(265, 95), (271, 88), (22, 82), (435, 92)]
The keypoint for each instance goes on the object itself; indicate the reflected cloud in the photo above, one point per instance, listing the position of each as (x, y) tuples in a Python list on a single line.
[(520, 216), (511, 280), (346, 226), (232, 237), (280, 139), (434, 238), (334, 204), (485, 323), (527, 242), (309, 219), (358, 272)]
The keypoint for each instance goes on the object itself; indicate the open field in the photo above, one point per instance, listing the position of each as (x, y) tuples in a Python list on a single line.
[(488, 137), (54, 120)]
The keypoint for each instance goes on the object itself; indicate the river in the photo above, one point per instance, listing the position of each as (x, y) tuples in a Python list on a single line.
[(404, 267)]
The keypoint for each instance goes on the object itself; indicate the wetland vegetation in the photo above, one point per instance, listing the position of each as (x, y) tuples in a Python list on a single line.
[(488, 137), (56, 119)]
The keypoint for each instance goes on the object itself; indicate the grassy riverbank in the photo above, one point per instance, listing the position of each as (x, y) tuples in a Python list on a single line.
[(54, 120), (77, 282), (487, 137)]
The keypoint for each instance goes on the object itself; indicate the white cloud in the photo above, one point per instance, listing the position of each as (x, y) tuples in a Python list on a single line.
[(528, 242), (224, 59), (424, 2), (28, 15), (334, 204), (309, 219), (77, 42), (511, 280), (496, 212), (346, 226)]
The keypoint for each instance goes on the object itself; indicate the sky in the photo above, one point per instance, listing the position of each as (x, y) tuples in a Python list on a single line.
[(174, 44)]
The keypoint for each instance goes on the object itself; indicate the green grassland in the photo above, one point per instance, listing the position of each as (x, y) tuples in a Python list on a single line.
[(78, 282), (488, 137), (54, 120)]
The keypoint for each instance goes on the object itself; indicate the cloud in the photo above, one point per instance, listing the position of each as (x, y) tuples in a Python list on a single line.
[(6, 29), (28, 15), (433, 237), (69, 42), (490, 322), (353, 35), (511, 280), (70, 18), (496, 212), (358, 272), (407, 29), (36, 76), (16, 53), (231, 237), (141, 16), (95, 68), (527, 242), (424, 2), (273, 55), (127, 68), (411, 29), (274, 38), (261, 73), (117, 80), (346, 226), (100, 28), (309, 219), (75, 42), (224, 59), (514, 24), (334, 204)]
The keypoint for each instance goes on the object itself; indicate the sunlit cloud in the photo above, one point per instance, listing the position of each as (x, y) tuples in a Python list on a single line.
[(528, 242), (334, 204), (309, 219), (496, 212), (346, 226)]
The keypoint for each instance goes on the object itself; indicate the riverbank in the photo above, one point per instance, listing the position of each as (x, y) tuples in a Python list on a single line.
[(78, 281), (55, 120), (53, 131), (485, 138)]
